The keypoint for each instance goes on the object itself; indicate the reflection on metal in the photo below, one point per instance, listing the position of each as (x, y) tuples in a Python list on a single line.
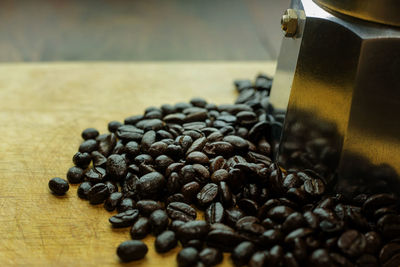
[(381, 11), (343, 78)]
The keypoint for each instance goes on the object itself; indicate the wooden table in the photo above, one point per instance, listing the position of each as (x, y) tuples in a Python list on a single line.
[(43, 109)]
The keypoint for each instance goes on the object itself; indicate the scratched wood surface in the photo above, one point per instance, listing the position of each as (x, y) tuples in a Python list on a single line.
[(43, 109)]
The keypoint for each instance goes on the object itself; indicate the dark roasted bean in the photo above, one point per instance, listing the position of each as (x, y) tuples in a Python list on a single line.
[(210, 256), (83, 189), (187, 257), (132, 250), (150, 185), (88, 146), (207, 194), (165, 242), (126, 204), (275, 255), (197, 145), (112, 201), (58, 186), (159, 221), (129, 133), (192, 230), (237, 142), (82, 159), (141, 228), (249, 206), (147, 206), (352, 243), (320, 258), (106, 143), (214, 213), (75, 175), (197, 157), (218, 148), (293, 221), (389, 226), (299, 233), (242, 253), (124, 219), (98, 193), (389, 255), (280, 213), (232, 215), (116, 167), (174, 226), (219, 176), (374, 242), (259, 259), (181, 211), (95, 175), (89, 133), (190, 190), (271, 237), (223, 239)]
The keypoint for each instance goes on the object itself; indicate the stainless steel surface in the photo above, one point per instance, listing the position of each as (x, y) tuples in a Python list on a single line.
[(343, 77), (381, 11)]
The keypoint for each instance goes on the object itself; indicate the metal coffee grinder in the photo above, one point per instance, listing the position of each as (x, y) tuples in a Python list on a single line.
[(339, 75)]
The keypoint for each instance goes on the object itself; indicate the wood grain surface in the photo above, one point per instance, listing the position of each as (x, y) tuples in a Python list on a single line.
[(43, 109)]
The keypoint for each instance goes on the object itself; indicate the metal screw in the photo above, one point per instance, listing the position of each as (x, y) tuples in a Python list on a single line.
[(289, 22)]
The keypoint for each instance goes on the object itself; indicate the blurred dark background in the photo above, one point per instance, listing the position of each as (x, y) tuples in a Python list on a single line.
[(117, 30)]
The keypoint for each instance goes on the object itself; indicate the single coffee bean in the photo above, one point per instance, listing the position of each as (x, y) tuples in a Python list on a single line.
[(81, 160), (58, 186), (237, 142), (220, 175), (132, 250), (293, 222), (141, 228), (377, 201), (276, 255), (314, 187), (194, 243), (190, 190), (89, 133), (192, 230), (126, 204), (280, 213), (223, 239), (374, 242), (207, 194), (75, 175), (299, 233), (174, 226), (83, 189), (197, 157), (88, 146), (113, 126), (249, 206), (390, 255), (129, 133), (181, 211), (210, 256), (150, 124), (158, 221), (106, 143), (150, 185), (165, 242), (147, 206), (98, 193), (95, 175), (197, 145), (187, 257), (99, 160), (116, 167), (124, 219), (214, 213), (352, 243), (112, 201), (242, 253), (320, 258), (232, 215), (132, 149)]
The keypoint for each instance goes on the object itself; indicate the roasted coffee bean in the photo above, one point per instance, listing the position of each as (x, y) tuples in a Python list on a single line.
[(113, 126), (165, 242), (192, 230), (126, 204), (298, 233), (95, 175), (178, 197), (89, 133), (389, 226), (58, 186), (311, 219), (150, 185), (215, 136), (249, 206), (129, 133), (280, 213), (190, 190), (113, 201), (175, 224), (377, 201), (197, 157), (99, 160), (237, 142), (373, 242), (201, 174), (232, 215), (159, 221), (187, 257), (210, 256), (132, 120), (276, 255), (220, 176), (98, 193), (207, 194), (389, 255), (141, 228), (314, 187), (82, 160), (197, 145), (290, 260), (150, 124), (106, 143), (214, 213), (223, 239), (352, 243), (271, 237), (88, 146), (162, 162), (157, 149), (293, 221), (225, 194), (181, 211), (242, 253), (218, 148), (147, 206), (320, 258), (75, 175), (124, 219), (83, 189), (132, 250), (116, 167)]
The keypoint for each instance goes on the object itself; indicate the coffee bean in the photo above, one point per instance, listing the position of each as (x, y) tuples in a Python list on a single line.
[(116, 167), (150, 124), (126, 204), (106, 143), (352, 243), (390, 255), (210, 256), (190, 190), (147, 206), (242, 253), (207, 194), (95, 175), (197, 145), (159, 221), (237, 142), (279, 213), (275, 255), (223, 239), (214, 213), (249, 206), (75, 175), (89, 133), (82, 159), (320, 258), (232, 215), (187, 257), (150, 185), (88, 146), (58, 186), (377, 201), (181, 211), (368, 260), (165, 242), (197, 157), (132, 250), (124, 219), (299, 233), (218, 148), (293, 221), (192, 230), (112, 201), (98, 193), (129, 133), (314, 187), (389, 226), (141, 228)]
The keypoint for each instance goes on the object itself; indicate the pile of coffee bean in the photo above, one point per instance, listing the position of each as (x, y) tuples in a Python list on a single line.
[(159, 169)]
